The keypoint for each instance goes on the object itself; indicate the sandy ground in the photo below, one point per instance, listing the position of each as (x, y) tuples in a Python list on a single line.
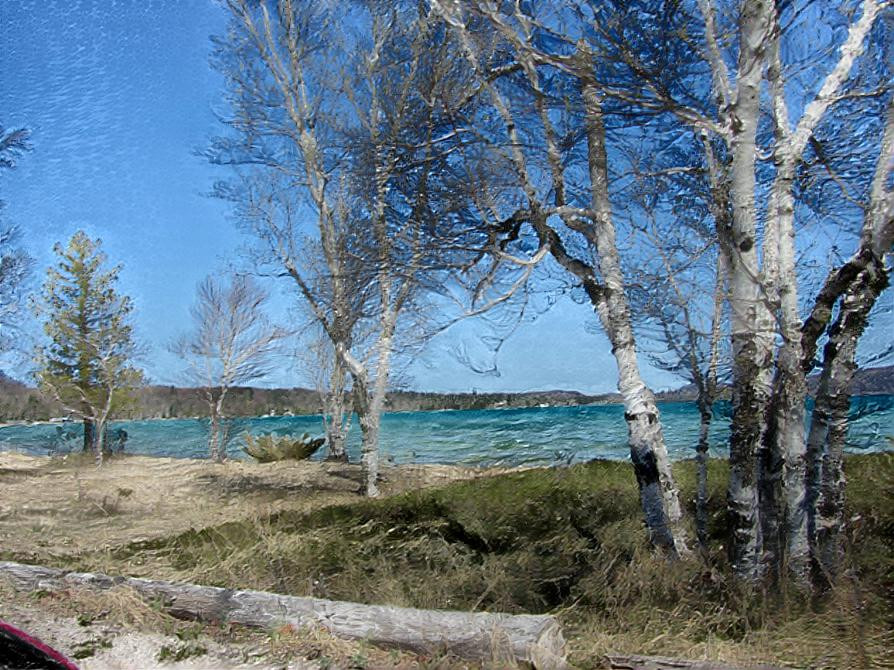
[(58, 508), (115, 647), (53, 510)]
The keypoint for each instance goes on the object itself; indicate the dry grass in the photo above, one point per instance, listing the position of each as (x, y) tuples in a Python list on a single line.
[(55, 510), (568, 541)]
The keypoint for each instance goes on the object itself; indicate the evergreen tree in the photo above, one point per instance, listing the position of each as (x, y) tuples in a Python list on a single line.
[(86, 366)]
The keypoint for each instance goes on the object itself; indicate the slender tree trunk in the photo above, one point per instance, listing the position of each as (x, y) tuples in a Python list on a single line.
[(701, 460), (707, 383), (367, 416), (370, 403), (783, 455), (771, 503), (213, 433), (377, 403), (99, 428), (336, 433), (658, 492), (828, 433), (786, 469), (89, 435), (752, 333), (369, 434), (216, 433), (858, 284), (222, 433)]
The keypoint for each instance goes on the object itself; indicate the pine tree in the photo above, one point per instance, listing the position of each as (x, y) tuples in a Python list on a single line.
[(86, 366)]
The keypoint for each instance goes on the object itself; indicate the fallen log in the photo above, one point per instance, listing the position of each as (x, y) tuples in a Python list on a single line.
[(530, 639), (633, 662)]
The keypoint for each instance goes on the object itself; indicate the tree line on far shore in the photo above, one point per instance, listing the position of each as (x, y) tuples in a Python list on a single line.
[(20, 402)]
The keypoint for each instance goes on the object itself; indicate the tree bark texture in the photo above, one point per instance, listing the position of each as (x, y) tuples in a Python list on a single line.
[(752, 332), (658, 492), (89, 435), (858, 285), (783, 509), (99, 434), (218, 437), (214, 436), (369, 434), (829, 423), (482, 636), (336, 433)]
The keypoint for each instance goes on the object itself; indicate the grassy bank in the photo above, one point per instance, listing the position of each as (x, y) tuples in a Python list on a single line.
[(568, 541)]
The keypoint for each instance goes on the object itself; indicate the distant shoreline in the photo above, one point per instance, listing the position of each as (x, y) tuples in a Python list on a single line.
[(311, 415), (22, 404)]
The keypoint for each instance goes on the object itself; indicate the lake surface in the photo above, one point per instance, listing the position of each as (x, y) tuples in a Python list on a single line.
[(535, 436)]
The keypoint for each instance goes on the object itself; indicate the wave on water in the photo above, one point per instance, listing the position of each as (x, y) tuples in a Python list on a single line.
[(534, 436)]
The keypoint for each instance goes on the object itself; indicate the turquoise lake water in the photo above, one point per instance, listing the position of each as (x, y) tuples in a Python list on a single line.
[(541, 436)]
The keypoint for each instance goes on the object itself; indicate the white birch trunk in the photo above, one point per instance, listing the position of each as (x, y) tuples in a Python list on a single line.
[(221, 445), (213, 432), (752, 335), (99, 434), (369, 434), (336, 429), (658, 492), (790, 407), (830, 421)]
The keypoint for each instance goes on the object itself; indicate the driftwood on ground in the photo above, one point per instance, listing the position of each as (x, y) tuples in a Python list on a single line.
[(626, 662), (536, 640)]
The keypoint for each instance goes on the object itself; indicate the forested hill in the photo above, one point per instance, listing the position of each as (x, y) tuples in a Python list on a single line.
[(21, 402)]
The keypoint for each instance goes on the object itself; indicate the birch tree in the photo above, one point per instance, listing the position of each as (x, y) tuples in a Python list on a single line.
[(231, 344), (754, 213), (678, 294), (768, 413), (330, 379), (277, 109), (87, 364), (347, 131), (555, 76), (553, 207), (754, 179), (855, 286)]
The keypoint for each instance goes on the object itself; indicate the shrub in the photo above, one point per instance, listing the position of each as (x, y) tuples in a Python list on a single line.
[(268, 448)]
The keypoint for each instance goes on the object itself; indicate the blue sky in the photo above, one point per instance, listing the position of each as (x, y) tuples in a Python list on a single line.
[(119, 96)]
